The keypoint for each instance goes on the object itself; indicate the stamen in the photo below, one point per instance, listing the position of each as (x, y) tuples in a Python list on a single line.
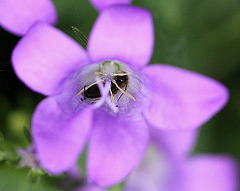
[(85, 88), (111, 94), (121, 74), (127, 94), (99, 73)]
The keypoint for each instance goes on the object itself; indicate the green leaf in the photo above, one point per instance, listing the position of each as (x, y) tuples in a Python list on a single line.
[(35, 175)]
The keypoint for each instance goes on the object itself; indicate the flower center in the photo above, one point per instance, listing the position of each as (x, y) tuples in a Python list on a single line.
[(110, 83)]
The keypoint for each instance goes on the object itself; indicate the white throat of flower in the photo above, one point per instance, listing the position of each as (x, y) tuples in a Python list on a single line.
[(108, 83)]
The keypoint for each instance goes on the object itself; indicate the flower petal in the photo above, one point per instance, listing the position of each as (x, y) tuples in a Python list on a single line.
[(123, 33), (177, 143), (59, 135), (182, 99), (89, 187), (102, 4), (208, 173), (45, 57), (117, 146), (201, 173), (153, 174), (18, 16)]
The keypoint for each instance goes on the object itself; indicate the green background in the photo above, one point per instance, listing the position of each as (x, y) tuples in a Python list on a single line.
[(199, 35)]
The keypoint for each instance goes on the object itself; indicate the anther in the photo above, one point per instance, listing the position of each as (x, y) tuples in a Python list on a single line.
[(85, 88), (112, 97), (121, 74), (100, 73)]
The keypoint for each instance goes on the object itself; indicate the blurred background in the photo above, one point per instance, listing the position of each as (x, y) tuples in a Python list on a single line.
[(199, 35)]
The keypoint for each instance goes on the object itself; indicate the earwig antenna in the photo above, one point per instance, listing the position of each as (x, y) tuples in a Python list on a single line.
[(127, 94), (85, 88)]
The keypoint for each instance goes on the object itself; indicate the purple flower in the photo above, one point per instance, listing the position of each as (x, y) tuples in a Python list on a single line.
[(201, 172), (107, 94), (18, 16), (28, 158), (103, 4), (168, 167)]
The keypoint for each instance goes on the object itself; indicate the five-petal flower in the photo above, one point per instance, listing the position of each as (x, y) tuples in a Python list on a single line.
[(121, 43)]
